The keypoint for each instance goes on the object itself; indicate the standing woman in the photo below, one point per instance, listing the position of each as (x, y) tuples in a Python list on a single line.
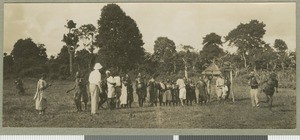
[(168, 92), (201, 88), (207, 81), (124, 93), (162, 93), (182, 90), (140, 86), (129, 91), (41, 95), (95, 87), (175, 93), (111, 93), (152, 91)]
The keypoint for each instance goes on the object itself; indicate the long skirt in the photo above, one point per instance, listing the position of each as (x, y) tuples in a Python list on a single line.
[(40, 101), (163, 96), (153, 95), (41, 104), (94, 98), (168, 95), (202, 95), (123, 97)]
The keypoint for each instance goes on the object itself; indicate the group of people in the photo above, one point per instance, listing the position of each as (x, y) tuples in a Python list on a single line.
[(117, 91)]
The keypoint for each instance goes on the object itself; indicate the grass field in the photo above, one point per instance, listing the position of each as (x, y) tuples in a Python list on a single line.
[(19, 111)]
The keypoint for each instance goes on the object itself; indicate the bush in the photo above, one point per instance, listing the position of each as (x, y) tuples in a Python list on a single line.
[(54, 76), (32, 72), (64, 70)]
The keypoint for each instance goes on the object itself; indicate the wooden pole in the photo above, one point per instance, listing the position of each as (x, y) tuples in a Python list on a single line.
[(231, 86)]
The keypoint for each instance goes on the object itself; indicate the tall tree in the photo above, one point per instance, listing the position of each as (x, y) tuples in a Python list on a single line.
[(281, 48), (63, 56), (247, 37), (27, 54), (87, 33), (119, 39), (71, 40), (8, 63), (164, 52), (211, 49), (280, 45)]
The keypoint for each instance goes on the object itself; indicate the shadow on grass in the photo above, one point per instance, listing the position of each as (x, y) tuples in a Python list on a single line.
[(242, 99)]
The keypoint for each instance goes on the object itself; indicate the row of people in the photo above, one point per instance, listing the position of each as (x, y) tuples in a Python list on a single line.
[(118, 92)]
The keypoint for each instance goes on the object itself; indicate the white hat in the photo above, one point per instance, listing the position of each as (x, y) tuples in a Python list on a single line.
[(97, 66)]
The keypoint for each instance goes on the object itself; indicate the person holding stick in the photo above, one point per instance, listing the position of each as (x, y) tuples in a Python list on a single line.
[(40, 96)]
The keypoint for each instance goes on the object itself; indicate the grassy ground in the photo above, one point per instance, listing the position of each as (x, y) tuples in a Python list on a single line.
[(19, 111)]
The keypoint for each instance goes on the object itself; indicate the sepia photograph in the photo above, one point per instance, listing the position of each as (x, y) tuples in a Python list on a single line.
[(149, 65)]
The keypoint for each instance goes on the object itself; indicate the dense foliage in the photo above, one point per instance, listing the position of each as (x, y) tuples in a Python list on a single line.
[(118, 45)]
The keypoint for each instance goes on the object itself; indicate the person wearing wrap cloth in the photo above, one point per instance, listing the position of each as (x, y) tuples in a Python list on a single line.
[(140, 89), (111, 93), (40, 96)]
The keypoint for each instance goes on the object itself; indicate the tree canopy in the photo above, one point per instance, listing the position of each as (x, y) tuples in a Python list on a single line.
[(26, 54), (119, 40), (247, 37)]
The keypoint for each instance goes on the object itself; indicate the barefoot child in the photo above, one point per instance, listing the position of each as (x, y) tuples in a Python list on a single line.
[(19, 86)]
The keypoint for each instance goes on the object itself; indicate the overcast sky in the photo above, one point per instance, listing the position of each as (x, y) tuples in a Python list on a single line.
[(184, 23)]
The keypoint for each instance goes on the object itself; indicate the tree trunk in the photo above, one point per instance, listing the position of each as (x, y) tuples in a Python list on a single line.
[(71, 62), (174, 67), (186, 72), (245, 61)]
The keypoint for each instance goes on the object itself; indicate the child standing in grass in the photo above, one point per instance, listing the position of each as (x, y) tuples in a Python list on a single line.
[(41, 95), (19, 86), (80, 90)]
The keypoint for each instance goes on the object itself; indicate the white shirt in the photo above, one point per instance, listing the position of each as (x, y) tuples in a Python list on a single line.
[(117, 80), (180, 83), (95, 77), (110, 82), (220, 82)]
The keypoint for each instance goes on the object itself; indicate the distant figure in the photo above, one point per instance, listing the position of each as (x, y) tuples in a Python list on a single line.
[(129, 91), (270, 88), (253, 90), (140, 89), (103, 93), (80, 90), (124, 92), (208, 86), (168, 92), (118, 89), (163, 98), (228, 84), (85, 95), (190, 92), (95, 87), (152, 92), (40, 96), (19, 86), (201, 91), (175, 93), (182, 91), (111, 94), (220, 83)]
